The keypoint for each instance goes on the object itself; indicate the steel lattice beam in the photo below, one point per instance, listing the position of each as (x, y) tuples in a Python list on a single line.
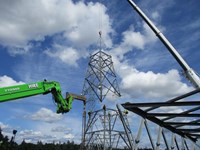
[(164, 104), (161, 123)]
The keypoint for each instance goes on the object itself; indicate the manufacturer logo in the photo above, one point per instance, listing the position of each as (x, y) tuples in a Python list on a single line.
[(34, 85), (12, 89)]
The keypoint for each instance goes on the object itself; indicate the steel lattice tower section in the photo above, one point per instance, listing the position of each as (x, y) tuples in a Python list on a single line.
[(103, 128), (100, 78)]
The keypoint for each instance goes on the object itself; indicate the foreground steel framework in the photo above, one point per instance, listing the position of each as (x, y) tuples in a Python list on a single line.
[(185, 124)]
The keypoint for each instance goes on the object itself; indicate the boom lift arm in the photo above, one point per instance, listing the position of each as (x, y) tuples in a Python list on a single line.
[(36, 88), (190, 74)]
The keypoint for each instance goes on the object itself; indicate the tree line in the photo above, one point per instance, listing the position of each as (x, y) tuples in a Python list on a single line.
[(10, 144)]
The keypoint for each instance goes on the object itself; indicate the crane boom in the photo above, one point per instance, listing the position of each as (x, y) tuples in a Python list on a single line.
[(190, 74), (26, 90)]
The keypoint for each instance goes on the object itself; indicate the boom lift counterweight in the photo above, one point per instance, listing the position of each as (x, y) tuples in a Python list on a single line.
[(36, 88)]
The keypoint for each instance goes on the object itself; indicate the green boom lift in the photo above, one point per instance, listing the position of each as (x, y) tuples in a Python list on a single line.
[(36, 88)]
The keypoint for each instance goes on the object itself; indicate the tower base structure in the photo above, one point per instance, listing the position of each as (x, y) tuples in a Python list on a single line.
[(107, 129)]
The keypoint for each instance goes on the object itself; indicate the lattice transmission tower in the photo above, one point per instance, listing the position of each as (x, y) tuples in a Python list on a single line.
[(103, 128)]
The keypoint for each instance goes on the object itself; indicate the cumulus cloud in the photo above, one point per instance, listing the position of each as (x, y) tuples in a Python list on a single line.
[(69, 136), (137, 83), (18, 50), (6, 129), (8, 81), (30, 134), (25, 21), (67, 55), (154, 84), (133, 39), (66, 128), (61, 129), (136, 39), (4, 126), (51, 133), (33, 136), (45, 115), (86, 24)]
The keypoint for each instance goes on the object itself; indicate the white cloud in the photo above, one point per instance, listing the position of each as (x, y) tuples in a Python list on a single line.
[(172, 109), (152, 84), (69, 136), (8, 81), (4, 126), (68, 127), (86, 24), (155, 15), (133, 39), (33, 136), (61, 129), (25, 20), (136, 83), (30, 133), (155, 85), (18, 50), (7, 130), (45, 115), (67, 55), (45, 132)]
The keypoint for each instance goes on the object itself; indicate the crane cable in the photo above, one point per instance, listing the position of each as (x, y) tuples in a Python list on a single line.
[(100, 22), (100, 17)]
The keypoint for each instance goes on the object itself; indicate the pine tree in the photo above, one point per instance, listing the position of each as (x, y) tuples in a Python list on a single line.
[(4, 141)]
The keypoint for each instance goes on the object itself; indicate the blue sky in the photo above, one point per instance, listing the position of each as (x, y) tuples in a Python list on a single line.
[(53, 39)]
